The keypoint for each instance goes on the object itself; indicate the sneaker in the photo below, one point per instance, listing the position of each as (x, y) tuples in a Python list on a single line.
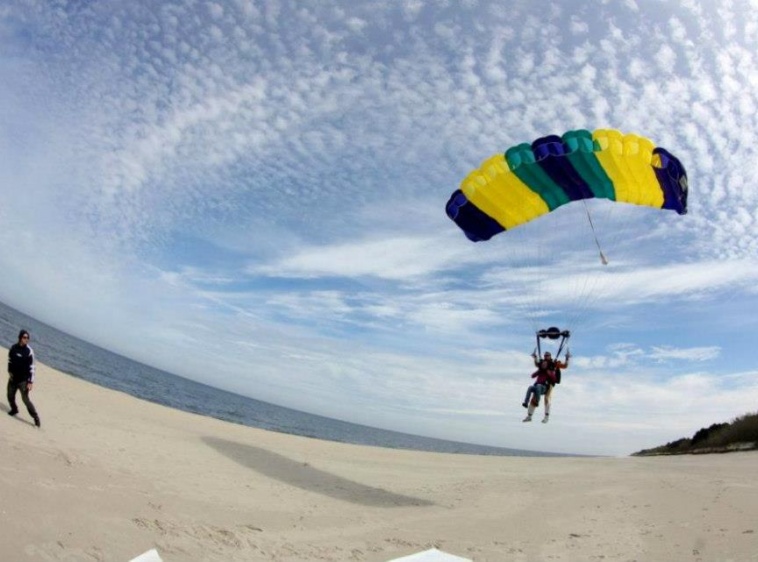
[(545, 419), (13, 412), (524, 404), (527, 419), (37, 422)]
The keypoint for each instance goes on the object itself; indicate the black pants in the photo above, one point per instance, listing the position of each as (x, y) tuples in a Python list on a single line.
[(20, 386)]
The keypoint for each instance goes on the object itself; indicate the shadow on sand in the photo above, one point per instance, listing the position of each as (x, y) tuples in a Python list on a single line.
[(308, 478), (20, 417)]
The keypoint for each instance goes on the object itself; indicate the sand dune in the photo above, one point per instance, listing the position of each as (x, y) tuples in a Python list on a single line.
[(109, 477)]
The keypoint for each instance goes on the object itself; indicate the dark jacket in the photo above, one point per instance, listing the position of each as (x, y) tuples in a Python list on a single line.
[(21, 363)]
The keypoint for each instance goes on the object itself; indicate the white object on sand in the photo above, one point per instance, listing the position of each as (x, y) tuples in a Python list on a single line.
[(431, 555), (149, 556)]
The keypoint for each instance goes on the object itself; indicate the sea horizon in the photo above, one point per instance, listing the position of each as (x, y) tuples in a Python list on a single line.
[(87, 361)]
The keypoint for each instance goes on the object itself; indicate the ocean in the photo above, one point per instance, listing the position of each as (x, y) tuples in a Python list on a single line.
[(86, 361)]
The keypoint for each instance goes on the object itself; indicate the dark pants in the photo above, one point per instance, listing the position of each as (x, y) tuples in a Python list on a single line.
[(20, 386)]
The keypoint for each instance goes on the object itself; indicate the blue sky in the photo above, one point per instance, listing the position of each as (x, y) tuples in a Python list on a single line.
[(251, 195)]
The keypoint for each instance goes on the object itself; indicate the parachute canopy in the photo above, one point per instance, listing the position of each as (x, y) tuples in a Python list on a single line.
[(529, 181)]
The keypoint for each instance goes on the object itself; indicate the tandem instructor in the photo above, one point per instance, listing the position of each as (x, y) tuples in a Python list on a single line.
[(21, 375)]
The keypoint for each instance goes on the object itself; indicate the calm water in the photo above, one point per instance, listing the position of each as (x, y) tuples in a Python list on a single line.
[(94, 364)]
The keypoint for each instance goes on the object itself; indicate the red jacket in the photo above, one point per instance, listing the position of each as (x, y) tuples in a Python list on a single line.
[(544, 376)]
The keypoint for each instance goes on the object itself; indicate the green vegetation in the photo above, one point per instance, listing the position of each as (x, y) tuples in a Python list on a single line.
[(739, 435)]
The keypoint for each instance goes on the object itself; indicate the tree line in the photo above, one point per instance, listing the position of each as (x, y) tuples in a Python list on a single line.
[(741, 434)]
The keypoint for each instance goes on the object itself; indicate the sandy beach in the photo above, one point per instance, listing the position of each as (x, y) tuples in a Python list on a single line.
[(108, 477)]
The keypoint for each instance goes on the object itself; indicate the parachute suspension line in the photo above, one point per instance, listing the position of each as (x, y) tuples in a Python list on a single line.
[(528, 255), (603, 259)]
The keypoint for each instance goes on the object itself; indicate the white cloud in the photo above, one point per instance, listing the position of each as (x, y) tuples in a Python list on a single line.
[(578, 26), (394, 258), (666, 353)]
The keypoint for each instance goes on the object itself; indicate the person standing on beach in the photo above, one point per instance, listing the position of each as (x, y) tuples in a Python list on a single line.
[(21, 375)]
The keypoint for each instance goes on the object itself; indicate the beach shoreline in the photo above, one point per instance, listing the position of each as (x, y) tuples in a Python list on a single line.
[(110, 476)]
